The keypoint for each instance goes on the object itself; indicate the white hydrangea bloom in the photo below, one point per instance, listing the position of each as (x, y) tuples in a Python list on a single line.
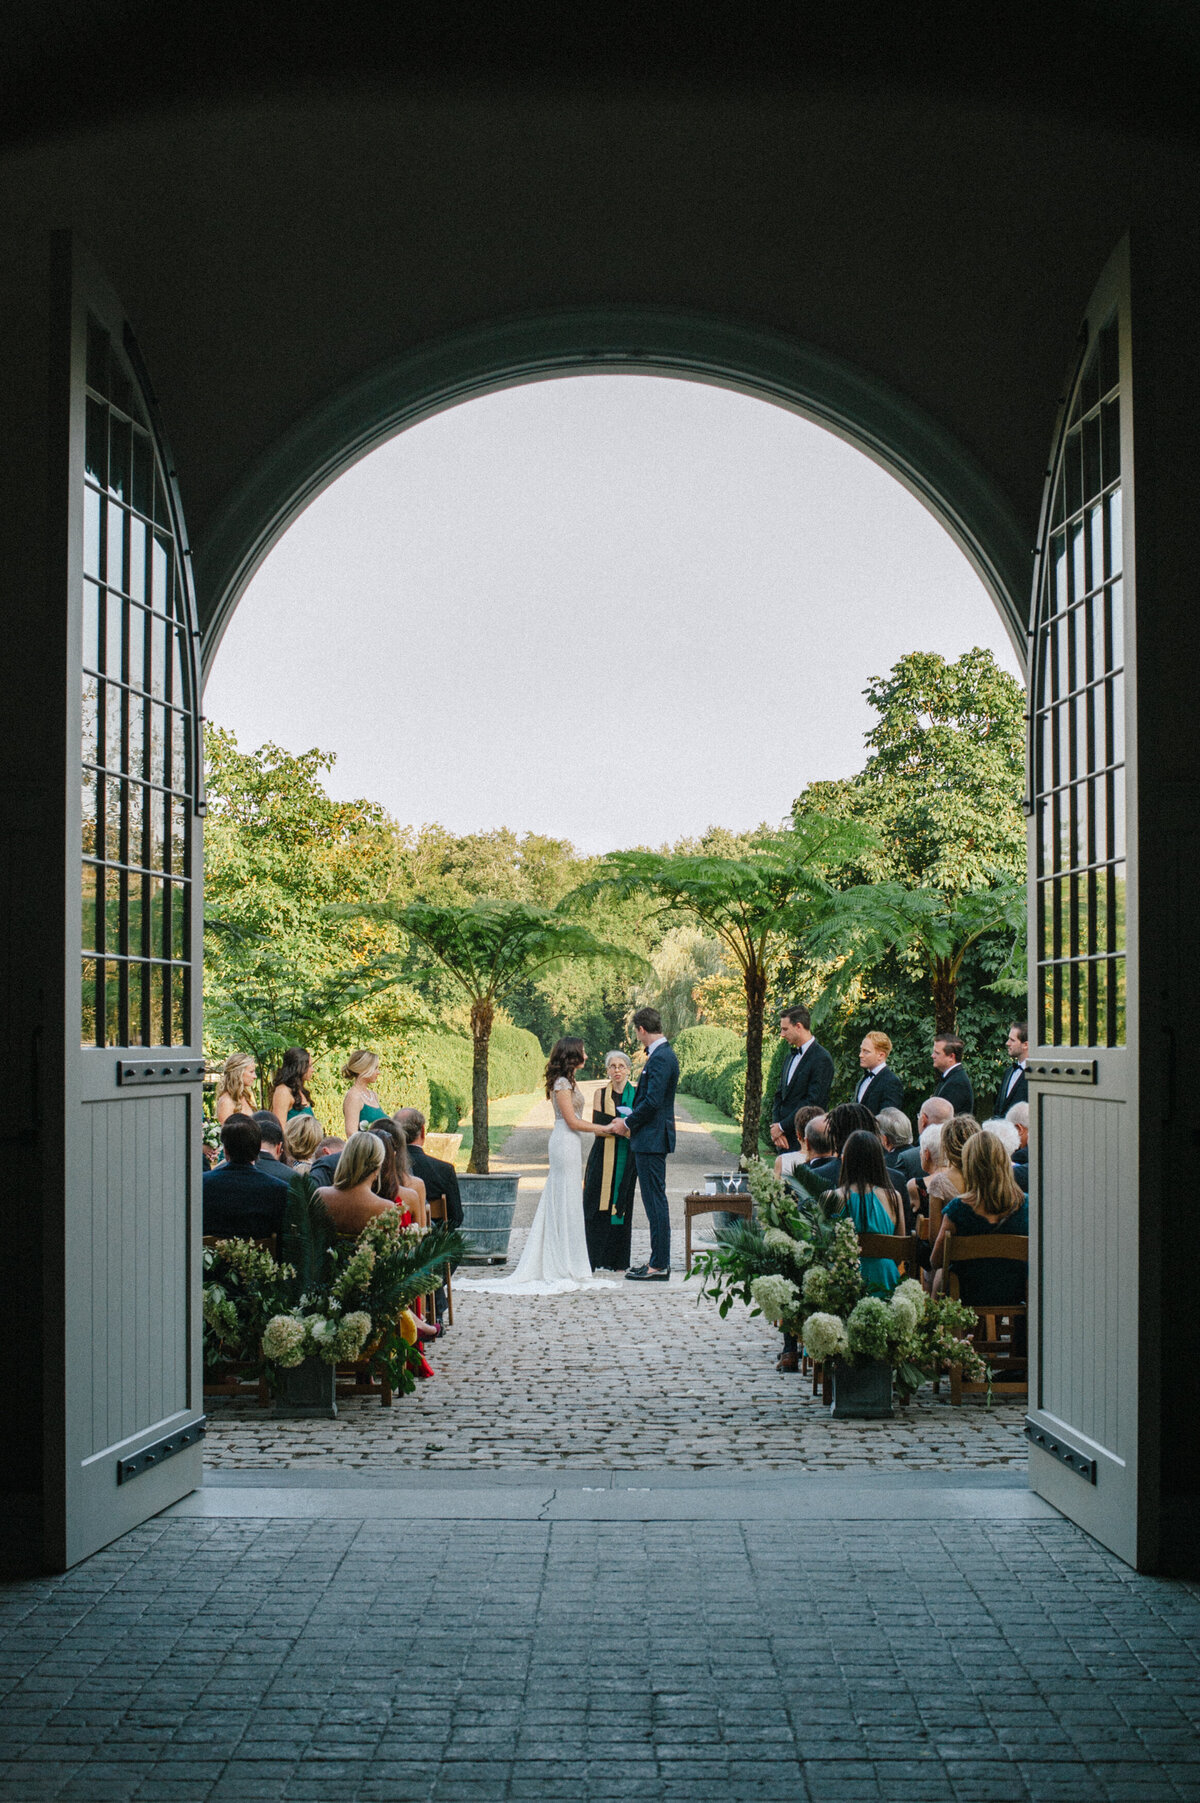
[(775, 1296), (824, 1337)]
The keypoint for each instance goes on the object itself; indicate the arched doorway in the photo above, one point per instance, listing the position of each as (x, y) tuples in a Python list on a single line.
[(920, 455)]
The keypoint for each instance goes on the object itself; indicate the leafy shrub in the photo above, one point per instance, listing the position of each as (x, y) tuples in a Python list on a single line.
[(516, 1063), (712, 1066)]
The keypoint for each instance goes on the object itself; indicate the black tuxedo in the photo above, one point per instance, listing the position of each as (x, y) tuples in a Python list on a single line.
[(809, 1087), (955, 1088), (239, 1201), (1018, 1093), (885, 1090), (440, 1179)]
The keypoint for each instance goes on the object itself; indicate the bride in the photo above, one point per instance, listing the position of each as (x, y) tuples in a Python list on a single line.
[(556, 1255)]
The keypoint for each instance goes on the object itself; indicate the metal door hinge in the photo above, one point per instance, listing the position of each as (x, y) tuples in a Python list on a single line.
[(1078, 1462), (1062, 1070), (165, 1070), (160, 1450)]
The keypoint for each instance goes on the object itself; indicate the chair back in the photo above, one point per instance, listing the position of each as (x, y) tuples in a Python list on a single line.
[(969, 1248), (901, 1248)]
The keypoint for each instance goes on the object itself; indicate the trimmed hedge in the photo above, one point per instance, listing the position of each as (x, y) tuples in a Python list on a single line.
[(712, 1065), (432, 1072)]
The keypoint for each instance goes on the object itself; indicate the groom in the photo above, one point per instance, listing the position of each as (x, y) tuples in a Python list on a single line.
[(650, 1128)]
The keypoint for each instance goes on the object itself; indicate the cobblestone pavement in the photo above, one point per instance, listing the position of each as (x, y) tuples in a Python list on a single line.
[(339, 1660), (631, 1376)]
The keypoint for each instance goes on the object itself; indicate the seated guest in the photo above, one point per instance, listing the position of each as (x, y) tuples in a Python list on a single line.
[(895, 1130), (1010, 1139), (879, 1086), (273, 1157), (1014, 1085), (932, 1160), (1018, 1115), (873, 1201), (990, 1203), (351, 1199), (787, 1161), (437, 1174), (935, 1111), (396, 1181), (238, 1200), (325, 1160), (954, 1085), (948, 1181), (301, 1137)]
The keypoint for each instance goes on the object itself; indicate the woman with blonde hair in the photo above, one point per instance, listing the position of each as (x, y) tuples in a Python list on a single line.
[(360, 1104), (302, 1136), (992, 1202), (239, 1074), (351, 1199), (948, 1180)]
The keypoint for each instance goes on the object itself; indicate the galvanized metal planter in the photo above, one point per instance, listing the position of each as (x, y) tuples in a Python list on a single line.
[(861, 1392), (488, 1207)]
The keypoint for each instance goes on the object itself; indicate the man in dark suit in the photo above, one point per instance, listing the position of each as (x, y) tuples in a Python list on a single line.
[(440, 1179), (1014, 1086), (325, 1164), (270, 1159), (650, 1129), (806, 1078), (954, 1085), (238, 1200), (879, 1087)]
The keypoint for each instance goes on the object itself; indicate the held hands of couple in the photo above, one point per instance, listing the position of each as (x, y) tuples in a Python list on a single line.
[(618, 1127)]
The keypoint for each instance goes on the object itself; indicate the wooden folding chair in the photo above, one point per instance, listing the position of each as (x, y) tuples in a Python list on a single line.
[(437, 1212), (901, 1248), (998, 1338)]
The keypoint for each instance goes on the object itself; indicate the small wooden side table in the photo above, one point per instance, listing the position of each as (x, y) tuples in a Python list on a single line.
[(708, 1205)]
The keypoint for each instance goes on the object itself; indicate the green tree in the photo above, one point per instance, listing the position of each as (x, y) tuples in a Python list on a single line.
[(933, 929), (753, 901), (487, 949)]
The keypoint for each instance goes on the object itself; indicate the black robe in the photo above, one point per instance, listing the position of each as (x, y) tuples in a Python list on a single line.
[(608, 1219)]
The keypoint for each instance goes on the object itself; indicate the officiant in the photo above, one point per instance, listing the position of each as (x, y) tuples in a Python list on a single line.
[(611, 1175)]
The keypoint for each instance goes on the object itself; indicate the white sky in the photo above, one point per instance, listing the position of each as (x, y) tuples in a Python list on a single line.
[(613, 608)]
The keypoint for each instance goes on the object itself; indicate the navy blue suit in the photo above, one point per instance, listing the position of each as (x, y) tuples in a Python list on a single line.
[(651, 1124), (242, 1202)]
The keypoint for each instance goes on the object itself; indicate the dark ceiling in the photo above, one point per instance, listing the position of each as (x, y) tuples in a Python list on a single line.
[(67, 63)]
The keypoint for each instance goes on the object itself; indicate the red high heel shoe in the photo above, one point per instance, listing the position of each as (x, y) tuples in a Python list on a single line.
[(426, 1369)]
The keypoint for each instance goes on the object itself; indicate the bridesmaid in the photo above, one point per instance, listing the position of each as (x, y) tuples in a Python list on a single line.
[(289, 1092), (611, 1175), (238, 1077), (360, 1104)]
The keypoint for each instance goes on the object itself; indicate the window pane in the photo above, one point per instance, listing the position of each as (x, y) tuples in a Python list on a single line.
[(1080, 634), (159, 1026), (158, 744), (158, 656), (143, 473), (180, 681), (1116, 691), (1073, 472), (159, 946), (160, 563), (179, 757), (114, 545), (132, 881), (1110, 416), (1095, 547), (89, 737), (1118, 814), (112, 820), (1116, 626), (89, 939), (1091, 457), (1100, 982), (91, 626), (120, 452), (1078, 561), (179, 901), (179, 993), (155, 803), (87, 1024), (137, 558), (1116, 558), (1117, 979), (1100, 846), (1117, 903), (135, 816), (108, 983), (135, 1028), (114, 727), (89, 797), (93, 508), (95, 456), (1058, 595)]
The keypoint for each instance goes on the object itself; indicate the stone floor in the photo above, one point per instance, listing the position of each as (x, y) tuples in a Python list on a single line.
[(336, 1656)]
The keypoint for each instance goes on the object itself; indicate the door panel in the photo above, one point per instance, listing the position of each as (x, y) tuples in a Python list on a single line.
[(1084, 1294), (123, 1256)]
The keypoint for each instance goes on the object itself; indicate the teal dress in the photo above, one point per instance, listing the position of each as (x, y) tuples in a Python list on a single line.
[(294, 1111), (367, 1114), (870, 1215)]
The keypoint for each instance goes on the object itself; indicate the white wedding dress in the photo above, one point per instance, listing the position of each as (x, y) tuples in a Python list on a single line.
[(555, 1258)]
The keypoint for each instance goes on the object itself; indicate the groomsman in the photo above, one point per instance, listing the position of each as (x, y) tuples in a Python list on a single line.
[(954, 1085), (879, 1087), (1014, 1087), (806, 1078)]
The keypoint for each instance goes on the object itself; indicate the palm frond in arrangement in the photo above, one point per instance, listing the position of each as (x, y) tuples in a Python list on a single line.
[(309, 1237)]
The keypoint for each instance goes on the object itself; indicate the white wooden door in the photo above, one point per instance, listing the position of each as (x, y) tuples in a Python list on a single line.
[(122, 1255), (1085, 1289)]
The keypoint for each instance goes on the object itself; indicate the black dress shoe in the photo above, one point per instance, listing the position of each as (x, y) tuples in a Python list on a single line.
[(636, 1272), (645, 1275)]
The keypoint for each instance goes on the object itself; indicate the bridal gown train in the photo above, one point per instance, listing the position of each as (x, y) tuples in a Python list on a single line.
[(555, 1258)]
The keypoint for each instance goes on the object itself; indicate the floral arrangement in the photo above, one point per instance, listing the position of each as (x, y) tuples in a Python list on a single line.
[(337, 1300), (797, 1263)]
